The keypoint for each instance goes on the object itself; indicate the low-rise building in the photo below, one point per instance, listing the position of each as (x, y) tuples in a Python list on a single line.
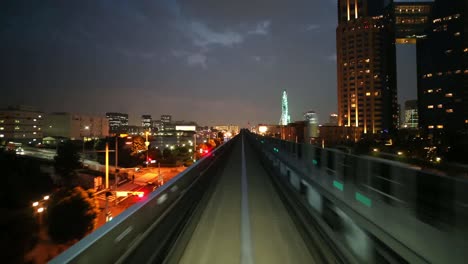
[(336, 135), (22, 124), (233, 129), (75, 126)]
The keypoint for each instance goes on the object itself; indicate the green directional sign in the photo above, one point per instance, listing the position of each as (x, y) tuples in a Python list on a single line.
[(363, 199), (338, 185)]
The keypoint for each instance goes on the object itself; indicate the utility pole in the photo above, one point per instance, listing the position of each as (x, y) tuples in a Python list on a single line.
[(195, 146), (147, 148), (116, 178), (107, 165)]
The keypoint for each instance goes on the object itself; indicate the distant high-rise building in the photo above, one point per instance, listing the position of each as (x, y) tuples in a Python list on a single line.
[(366, 62), (166, 119), (311, 125), (333, 119), (157, 125), (285, 117), (21, 124), (411, 114), (443, 70), (118, 122), (146, 121)]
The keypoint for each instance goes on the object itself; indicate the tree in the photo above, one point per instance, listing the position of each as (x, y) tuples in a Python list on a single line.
[(22, 181), (67, 161), (71, 214), (138, 145)]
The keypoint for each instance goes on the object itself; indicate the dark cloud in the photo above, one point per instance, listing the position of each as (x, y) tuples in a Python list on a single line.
[(211, 61)]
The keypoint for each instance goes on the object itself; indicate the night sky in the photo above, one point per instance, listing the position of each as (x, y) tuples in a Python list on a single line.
[(211, 61)]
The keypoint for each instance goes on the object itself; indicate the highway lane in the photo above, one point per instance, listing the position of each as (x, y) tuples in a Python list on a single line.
[(220, 236)]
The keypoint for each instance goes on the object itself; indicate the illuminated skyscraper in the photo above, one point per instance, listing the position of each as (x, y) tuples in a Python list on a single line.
[(366, 65), (285, 117), (443, 70)]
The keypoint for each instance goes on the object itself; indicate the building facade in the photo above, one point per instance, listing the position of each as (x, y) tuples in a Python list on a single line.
[(443, 69), (312, 124), (166, 119), (146, 121), (118, 123), (233, 129), (411, 114), (366, 66), (21, 124), (75, 126)]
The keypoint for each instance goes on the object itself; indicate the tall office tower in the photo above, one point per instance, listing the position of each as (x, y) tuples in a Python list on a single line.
[(442, 61), (366, 65), (118, 123), (146, 121), (285, 117), (411, 114)]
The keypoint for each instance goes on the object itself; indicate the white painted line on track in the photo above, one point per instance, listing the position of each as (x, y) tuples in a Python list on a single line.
[(246, 240)]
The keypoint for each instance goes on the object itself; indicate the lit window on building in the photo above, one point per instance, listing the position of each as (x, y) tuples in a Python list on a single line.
[(367, 71), (465, 50), (34, 133), (440, 106), (440, 126), (449, 110), (430, 91), (368, 94), (456, 34), (34, 119), (17, 128), (2, 128), (457, 71), (429, 75), (430, 127), (430, 106), (448, 95), (17, 121)]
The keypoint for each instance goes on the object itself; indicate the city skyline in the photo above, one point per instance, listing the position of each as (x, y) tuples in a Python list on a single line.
[(208, 66)]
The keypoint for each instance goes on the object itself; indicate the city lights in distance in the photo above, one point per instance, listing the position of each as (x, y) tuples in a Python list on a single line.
[(262, 129), (35, 204), (40, 209)]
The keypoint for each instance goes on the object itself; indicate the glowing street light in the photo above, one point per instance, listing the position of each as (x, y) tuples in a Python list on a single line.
[(35, 204), (46, 197), (40, 209)]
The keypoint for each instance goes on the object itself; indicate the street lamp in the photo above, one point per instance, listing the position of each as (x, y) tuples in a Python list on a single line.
[(147, 148), (84, 139)]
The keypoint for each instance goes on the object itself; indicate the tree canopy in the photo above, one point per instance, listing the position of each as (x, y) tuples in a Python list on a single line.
[(71, 214), (67, 161)]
